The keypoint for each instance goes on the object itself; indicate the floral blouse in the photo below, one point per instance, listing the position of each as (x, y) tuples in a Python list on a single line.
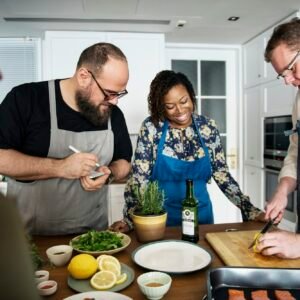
[(184, 144)]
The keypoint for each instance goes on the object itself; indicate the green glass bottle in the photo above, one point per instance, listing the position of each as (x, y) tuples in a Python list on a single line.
[(190, 214)]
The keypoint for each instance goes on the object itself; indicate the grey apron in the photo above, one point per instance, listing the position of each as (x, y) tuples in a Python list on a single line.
[(298, 178), (61, 206)]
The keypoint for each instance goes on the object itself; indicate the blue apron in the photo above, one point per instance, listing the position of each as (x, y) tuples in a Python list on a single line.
[(172, 173)]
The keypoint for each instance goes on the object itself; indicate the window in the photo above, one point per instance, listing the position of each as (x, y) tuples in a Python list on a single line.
[(19, 62), (211, 82)]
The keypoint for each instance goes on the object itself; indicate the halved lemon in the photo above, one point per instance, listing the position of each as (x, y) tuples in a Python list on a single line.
[(109, 263), (103, 280), (256, 236), (122, 278)]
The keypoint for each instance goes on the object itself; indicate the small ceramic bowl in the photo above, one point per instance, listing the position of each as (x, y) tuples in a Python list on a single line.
[(59, 255), (41, 275), (47, 287), (154, 285)]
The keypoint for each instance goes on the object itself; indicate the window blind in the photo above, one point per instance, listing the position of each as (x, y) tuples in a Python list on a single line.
[(19, 62)]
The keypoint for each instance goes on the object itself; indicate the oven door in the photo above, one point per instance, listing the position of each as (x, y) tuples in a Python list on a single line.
[(271, 180)]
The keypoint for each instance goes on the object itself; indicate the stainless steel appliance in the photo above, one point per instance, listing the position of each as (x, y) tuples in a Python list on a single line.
[(276, 144)]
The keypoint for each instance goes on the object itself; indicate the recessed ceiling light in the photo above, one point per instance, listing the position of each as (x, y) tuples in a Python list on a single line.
[(181, 23), (233, 18)]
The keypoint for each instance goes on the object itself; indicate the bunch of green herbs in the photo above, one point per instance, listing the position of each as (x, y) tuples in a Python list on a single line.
[(97, 241), (150, 199), (36, 259)]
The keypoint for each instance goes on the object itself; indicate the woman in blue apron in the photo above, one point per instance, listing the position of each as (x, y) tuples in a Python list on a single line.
[(172, 173), (176, 144)]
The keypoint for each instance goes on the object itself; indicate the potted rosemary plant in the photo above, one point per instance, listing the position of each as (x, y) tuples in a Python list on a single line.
[(149, 217)]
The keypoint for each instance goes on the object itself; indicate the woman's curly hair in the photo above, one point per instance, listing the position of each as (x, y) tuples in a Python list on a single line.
[(163, 82)]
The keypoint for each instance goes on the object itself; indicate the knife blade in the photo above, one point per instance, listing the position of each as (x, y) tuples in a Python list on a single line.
[(267, 226)]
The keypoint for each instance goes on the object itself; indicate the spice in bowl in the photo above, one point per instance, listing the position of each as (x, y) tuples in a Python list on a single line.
[(47, 287), (59, 255), (154, 285), (41, 275)]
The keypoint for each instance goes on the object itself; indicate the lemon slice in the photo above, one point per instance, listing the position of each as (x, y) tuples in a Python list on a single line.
[(109, 263), (100, 257), (121, 278), (103, 280), (112, 267)]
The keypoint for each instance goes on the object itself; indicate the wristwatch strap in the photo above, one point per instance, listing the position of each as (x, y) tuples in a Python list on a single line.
[(110, 178)]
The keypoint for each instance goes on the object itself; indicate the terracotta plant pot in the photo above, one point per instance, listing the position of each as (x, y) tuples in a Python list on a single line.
[(149, 228)]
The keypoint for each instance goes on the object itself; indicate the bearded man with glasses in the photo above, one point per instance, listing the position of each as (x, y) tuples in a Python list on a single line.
[(283, 52), (52, 185)]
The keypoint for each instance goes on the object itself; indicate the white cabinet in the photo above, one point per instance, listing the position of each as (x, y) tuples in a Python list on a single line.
[(268, 71), (145, 54), (115, 202), (61, 51), (224, 210), (253, 127), (253, 67), (256, 70), (253, 185), (278, 98)]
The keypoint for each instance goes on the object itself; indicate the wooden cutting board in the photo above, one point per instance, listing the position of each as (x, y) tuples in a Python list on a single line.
[(232, 247)]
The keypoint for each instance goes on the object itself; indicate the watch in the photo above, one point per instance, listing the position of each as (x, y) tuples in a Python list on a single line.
[(110, 178)]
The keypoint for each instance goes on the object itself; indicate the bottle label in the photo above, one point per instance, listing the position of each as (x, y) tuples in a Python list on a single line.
[(188, 221)]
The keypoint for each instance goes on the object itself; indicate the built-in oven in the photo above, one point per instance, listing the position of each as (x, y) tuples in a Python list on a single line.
[(276, 144)]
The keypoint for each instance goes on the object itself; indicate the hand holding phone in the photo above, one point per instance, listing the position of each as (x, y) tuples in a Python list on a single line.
[(94, 175)]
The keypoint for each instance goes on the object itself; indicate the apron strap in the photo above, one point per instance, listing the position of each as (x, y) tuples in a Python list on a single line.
[(298, 177), (52, 103)]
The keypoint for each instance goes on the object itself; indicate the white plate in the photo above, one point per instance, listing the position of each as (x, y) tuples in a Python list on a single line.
[(99, 296), (172, 256), (126, 240)]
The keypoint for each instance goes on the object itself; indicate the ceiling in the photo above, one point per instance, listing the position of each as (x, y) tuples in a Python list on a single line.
[(206, 21)]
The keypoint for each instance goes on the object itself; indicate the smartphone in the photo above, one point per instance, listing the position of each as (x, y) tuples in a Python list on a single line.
[(95, 174)]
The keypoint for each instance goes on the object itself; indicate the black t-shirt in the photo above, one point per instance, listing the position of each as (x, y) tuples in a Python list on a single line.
[(25, 121)]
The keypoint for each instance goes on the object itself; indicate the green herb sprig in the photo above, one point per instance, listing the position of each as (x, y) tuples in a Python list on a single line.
[(150, 199), (97, 241)]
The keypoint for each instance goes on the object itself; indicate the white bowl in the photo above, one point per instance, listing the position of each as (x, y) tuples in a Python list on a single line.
[(154, 285), (47, 287), (41, 275), (59, 255)]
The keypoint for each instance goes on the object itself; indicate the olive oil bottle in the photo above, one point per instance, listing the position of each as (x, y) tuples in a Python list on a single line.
[(190, 214)]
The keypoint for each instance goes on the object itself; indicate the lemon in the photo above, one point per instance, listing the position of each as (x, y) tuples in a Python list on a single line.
[(121, 278), (82, 266), (109, 263), (256, 237), (103, 280)]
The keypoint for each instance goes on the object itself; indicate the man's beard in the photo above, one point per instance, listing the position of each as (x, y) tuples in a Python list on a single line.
[(90, 111)]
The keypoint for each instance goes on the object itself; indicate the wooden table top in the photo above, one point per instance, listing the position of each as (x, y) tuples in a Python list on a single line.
[(186, 286)]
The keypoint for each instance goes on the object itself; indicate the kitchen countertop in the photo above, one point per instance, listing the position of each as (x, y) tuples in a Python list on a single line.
[(184, 286)]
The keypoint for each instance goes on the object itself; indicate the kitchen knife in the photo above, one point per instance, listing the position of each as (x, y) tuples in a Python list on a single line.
[(267, 226)]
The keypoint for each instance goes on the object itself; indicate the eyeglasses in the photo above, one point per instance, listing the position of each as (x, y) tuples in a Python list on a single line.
[(290, 66), (111, 95)]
